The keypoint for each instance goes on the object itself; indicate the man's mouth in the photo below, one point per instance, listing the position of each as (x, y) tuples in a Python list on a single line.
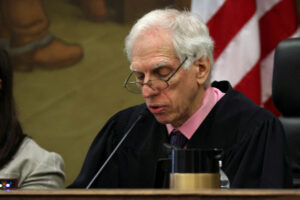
[(156, 109)]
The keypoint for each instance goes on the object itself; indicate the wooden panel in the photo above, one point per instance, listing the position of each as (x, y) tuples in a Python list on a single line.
[(151, 194)]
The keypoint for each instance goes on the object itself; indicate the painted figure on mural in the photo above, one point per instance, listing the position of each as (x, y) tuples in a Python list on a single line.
[(24, 33)]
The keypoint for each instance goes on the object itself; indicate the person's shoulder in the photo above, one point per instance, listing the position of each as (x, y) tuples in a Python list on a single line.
[(32, 152), (136, 109), (123, 119), (131, 112), (252, 120), (240, 110), (236, 103), (248, 108), (31, 146), (32, 162)]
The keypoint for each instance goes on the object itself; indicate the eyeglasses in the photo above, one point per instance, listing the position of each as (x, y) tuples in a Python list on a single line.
[(156, 84)]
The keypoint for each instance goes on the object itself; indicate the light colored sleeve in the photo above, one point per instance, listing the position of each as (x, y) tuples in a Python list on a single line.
[(35, 168), (47, 173)]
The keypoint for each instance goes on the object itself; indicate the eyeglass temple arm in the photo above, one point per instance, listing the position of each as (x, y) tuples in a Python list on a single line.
[(177, 69), (126, 80)]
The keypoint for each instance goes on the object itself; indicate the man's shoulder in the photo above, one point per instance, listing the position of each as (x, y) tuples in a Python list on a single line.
[(236, 103), (125, 117), (130, 113), (241, 112), (136, 109)]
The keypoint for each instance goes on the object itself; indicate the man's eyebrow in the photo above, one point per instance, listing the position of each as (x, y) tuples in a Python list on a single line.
[(161, 64)]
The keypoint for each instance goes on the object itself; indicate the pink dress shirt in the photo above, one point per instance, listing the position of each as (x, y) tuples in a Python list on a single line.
[(211, 97)]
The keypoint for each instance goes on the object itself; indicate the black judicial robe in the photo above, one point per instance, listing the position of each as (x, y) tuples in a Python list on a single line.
[(252, 138)]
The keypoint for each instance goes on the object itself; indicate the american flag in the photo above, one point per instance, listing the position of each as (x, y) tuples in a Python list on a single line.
[(246, 33)]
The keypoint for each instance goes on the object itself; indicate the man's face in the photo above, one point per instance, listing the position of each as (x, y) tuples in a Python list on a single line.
[(153, 57)]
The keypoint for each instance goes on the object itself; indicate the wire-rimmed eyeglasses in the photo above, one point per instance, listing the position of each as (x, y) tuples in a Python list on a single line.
[(155, 84)]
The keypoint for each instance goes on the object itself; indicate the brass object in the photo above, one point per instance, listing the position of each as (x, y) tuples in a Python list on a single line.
[(190, 181)]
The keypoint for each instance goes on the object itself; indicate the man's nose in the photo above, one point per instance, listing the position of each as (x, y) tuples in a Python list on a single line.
[(147, 91)]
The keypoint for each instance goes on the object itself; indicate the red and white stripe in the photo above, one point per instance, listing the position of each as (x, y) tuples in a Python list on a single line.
[(246, 33)]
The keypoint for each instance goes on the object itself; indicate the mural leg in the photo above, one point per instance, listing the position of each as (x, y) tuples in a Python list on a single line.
[(25, 25), (95, 10)]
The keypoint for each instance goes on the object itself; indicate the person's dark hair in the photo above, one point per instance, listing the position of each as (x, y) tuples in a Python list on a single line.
[(11, 134)]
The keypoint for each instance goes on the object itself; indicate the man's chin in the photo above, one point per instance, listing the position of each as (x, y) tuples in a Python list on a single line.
[(162, 119)]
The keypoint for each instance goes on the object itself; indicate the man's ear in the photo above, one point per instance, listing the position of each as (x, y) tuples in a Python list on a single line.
[(202, 69)]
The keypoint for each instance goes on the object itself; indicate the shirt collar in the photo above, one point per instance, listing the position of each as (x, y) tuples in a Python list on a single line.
[(211, 96)]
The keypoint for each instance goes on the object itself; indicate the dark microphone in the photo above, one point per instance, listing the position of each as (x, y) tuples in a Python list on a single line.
[(140, 116)]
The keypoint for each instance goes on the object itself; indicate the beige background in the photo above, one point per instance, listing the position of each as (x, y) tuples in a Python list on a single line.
[(64, 109)]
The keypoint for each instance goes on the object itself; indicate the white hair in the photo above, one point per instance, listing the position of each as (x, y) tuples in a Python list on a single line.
[(190, 35)]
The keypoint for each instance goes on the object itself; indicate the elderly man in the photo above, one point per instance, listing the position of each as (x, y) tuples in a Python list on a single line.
[(171, 60)]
